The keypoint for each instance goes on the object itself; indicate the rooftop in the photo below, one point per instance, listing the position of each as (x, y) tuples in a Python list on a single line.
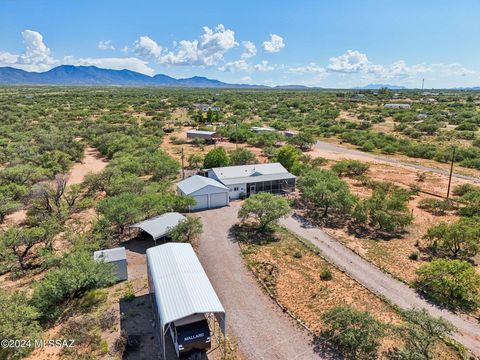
[(196, 182), (110, 255), (180, 284), (201, 132), (159, 226), (244, 173)]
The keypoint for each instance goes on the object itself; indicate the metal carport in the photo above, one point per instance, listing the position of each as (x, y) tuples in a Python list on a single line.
[(179, 287), (159, 226)]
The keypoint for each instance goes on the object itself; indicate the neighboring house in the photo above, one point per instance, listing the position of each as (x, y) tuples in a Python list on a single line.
[(396, 106), (251, 179), (201, 134), (262, 129), (207, 192), (289, 133), (422, 116), (206, 107), (117, 257)]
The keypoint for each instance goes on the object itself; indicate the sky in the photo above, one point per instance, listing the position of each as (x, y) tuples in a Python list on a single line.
[(337, 44)]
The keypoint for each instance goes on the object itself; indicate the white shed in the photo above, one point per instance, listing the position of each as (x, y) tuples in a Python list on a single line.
[(207, 192), (116, 256)]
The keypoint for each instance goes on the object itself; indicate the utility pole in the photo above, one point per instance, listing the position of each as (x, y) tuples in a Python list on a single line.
[(451, 172), (236, 135), (183, 166)]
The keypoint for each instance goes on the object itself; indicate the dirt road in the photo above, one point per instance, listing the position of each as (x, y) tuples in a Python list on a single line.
[(381, 283), (325, 147), (262, 330)]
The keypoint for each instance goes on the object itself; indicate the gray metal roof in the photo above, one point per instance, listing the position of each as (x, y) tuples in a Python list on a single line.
[(196, 182), (200, 132), (241, 174), (180, 285), (110, 255), (159, 226)]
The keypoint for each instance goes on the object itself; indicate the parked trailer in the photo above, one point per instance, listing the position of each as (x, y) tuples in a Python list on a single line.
[(181, 297)]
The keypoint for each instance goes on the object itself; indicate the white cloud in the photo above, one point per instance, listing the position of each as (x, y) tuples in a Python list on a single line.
[(246, 78), (35, 57), (129, 63), (106, 45), (275, 44), (352, 61), (206, 51), (250, 50), (264, 66), (311, 68), (146, 48)]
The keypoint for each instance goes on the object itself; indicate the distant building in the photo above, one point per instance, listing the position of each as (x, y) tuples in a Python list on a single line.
[(396, 106), (422, 116), (262, 129), (201, 134), (206, 107), (289, 133)]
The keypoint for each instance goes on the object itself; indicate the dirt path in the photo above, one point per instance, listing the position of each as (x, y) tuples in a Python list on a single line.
[(262, 330), (322, 147), (381, 283), (93, 162)]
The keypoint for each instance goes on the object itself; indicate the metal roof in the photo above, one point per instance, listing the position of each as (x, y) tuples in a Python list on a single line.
[(180, 285), (251, 173), (196, 182), (200, 132), (110, 255), (159, 226)]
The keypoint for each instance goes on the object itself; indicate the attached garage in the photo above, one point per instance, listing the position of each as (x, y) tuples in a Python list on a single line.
[(207, 192)]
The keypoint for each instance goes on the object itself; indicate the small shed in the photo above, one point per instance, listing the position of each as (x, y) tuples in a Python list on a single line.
[(116, 256), (179, 287), (208, 193), (262, 129), (159, 226), (289, 133)]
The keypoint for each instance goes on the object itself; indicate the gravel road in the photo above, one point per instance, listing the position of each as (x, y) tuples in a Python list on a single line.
[(325, 146), (262, 330), (381, 283)]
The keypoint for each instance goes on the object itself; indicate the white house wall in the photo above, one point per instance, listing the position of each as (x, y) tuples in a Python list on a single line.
[(236, 190)]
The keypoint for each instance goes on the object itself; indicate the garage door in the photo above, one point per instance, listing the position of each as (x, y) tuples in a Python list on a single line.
[(202, 202), (218, 200)]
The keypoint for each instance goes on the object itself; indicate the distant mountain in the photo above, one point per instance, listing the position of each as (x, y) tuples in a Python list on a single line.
[(473, 88), (380, 86), (92, 75)]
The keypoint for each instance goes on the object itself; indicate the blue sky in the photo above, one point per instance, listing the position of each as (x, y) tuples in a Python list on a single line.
[(321, 43)]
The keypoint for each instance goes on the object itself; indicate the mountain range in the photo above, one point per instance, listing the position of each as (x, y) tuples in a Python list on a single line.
[(92, 75), (380, 86)]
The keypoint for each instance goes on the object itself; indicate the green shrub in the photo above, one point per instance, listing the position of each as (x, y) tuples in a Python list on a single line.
[(326, 274), (350, 168)]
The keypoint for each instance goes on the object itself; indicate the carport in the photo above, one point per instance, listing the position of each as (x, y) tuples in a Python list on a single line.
[(159, 226), (179, 287)]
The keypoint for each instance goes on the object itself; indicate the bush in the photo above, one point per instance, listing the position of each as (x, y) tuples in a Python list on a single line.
[(186, 230), (435, 206), (452, 283), (350, 168), (326, 274), (216, 158), (355, 333), (265, 209), (77, 274), (413, 255)]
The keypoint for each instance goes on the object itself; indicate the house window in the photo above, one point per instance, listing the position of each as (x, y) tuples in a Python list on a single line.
[(235, 189)]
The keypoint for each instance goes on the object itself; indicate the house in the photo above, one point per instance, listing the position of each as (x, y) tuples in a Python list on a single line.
[(250, 179), (208, 136), (262, 129), (397, 106), (206, 107), (158, 227), (117, 257), (207, 192), (422, 116)]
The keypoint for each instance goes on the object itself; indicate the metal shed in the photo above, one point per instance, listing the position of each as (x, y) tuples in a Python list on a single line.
[(201, 134), (116, 256), (207, 192), (159, 226), (179, 287)]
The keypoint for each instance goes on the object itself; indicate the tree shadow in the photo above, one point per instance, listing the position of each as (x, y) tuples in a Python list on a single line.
[(325, 350), (249, 234), (138, 327)]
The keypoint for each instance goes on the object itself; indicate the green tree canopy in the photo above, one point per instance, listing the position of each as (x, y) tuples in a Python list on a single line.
[(326, 192), (356, 333), (186, 230), (264, 208), (216, 158), (452, 283), (242, 156)]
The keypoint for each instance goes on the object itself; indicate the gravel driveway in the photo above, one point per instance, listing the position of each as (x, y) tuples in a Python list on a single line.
[(262, 330), (325, 146), (381, 283)]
